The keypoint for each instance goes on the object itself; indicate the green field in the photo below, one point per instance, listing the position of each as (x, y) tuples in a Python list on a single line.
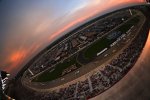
[(49, 76), (102, 43), (88, 53)]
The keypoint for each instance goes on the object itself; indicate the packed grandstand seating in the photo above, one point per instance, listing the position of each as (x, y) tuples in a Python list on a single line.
[(79, 39), (99, 81)]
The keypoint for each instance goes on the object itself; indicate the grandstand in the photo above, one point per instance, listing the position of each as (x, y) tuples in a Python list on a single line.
[(65, 54), (102, 79), (98, 55), (90, 42)]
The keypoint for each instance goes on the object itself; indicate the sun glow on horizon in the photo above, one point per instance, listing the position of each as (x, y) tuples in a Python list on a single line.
[(40, 32)]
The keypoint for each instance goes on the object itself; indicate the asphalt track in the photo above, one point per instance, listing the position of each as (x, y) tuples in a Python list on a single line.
[(136, 84), (82, 70)]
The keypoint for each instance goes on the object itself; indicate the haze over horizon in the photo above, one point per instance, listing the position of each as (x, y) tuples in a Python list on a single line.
[(28, 26)]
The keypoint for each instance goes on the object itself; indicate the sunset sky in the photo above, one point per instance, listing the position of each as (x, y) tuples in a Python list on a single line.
[(28, 26)]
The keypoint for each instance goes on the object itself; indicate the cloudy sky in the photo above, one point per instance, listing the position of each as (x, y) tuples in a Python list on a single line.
[(28, 26)]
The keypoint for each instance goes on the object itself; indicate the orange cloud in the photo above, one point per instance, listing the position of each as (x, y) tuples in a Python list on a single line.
[(15, 57), (71, 24), (94, 11), (66, 27)]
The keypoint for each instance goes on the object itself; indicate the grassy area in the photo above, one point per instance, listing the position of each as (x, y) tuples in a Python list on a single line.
[(129, 24), (99, 45), (89, 53), (49, 76)]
